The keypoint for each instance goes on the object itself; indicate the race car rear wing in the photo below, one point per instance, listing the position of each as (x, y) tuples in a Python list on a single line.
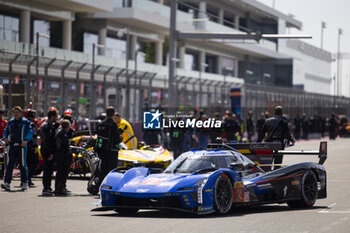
[(322, 152), (263, 153)]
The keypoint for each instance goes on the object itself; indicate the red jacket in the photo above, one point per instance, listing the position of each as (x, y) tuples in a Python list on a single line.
[(3, 125)]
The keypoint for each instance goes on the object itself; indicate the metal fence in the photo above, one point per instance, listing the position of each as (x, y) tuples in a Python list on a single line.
[(261, 98), (67, 84)]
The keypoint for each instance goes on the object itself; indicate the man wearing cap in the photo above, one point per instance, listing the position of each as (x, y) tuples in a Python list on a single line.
[(68, 116), (277, 130), (63, 157), (107, 143), (17, 134), (48, 146), (125, 130)]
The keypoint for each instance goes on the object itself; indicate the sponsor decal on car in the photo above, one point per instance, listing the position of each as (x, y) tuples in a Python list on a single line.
[(152, 181), (171, 194), (172, 183), (238, 191), (295, 182), (246, 196), (205, 208), (142, 190)]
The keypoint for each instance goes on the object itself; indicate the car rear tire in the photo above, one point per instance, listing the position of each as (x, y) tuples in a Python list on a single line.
[(308, 192), (223, 194), (126, 211)]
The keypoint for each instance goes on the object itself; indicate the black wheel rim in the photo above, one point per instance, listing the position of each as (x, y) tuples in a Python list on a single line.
[(223, 194), (310, 188)]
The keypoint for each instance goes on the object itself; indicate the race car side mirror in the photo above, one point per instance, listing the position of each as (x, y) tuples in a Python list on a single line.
[(322, 153), (219, 140)]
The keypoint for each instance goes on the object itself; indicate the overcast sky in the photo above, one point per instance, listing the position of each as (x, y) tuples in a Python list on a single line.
[(335, 13)]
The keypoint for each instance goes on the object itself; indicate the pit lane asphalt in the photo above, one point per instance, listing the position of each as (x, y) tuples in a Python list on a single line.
[(30, 212)]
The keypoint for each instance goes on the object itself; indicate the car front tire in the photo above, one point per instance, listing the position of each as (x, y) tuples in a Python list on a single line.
[(223, 194)]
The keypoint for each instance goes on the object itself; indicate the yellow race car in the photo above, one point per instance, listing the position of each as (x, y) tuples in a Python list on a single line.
[(153, 156)]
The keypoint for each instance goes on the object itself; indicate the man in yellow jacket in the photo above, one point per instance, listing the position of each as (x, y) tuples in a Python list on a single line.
[(125, 130)]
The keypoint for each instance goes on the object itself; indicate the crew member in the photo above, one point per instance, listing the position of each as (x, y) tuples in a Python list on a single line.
[(250, 126), (63, 157), (277, 130), (107, 143), (32, 154), (17, 134), (230, 127), (125, 130), (332, 127), (48, 146), (241, 127), (260, 123), (68, 115)]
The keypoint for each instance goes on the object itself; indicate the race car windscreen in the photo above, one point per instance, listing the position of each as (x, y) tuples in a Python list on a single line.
[(190, 164)]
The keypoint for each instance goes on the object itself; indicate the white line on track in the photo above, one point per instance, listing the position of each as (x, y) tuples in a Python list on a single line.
[(335, 212), (325, 210)]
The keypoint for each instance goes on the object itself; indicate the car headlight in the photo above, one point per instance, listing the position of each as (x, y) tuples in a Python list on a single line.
[(200, 185), (104, 186), (191, 188)]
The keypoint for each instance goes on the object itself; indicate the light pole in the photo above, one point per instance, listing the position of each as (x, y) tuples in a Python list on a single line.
[(92, 81), (200, 82), (174, 61), (134, 110), (334, 85), (172, 52), (340, 32), (38, 35), (323, 26), (120, 34)]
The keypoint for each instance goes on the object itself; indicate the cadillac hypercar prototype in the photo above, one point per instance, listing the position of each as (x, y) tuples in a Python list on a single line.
[(217, 179)]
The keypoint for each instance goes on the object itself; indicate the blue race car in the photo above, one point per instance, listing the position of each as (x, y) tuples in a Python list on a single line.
[(215, 179)]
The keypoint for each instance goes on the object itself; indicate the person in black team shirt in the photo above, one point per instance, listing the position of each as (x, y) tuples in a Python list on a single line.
[(277, 130), (250, 126), (260, 122), (332, 127), (63, 157), (32, 153), (48, 146), (230, 127), (107, 143)]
